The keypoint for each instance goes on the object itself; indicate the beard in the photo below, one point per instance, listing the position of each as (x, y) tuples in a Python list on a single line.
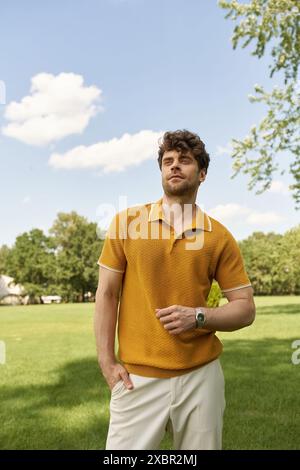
[(180, 188)]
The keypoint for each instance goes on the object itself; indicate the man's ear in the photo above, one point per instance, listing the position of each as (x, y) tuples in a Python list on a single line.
[(202, 176)]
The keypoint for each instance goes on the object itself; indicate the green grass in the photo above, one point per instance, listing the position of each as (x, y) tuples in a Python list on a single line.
[(53, 396)]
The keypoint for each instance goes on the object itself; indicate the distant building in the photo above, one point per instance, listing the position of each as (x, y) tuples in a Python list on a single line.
[(50, 299), (11, 293), (14, 294)]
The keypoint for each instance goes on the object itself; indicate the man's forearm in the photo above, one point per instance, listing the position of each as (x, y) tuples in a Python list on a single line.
[(232, 316), (105, 321)]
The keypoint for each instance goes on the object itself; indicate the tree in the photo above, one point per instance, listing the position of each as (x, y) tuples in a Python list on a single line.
[(4, 252), (289, 262), (273, 262), (31, 262), (276, 22), (77, 250), (261, 255)]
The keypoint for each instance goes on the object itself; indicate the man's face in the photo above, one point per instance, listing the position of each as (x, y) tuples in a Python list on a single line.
[(185, 167)]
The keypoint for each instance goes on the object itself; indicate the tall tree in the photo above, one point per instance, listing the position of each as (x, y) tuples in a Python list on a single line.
[(4, 252), (274, 22), (31, 262), (77, 251), (261, 255), (273, 262), (288, 266)]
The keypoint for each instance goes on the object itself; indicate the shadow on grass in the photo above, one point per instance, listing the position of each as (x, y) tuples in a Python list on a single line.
[(262, 395), (38, 416)]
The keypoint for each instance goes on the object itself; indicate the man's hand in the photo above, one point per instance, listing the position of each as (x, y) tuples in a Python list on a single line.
[(113, 372), (238, 313), (176, 319)]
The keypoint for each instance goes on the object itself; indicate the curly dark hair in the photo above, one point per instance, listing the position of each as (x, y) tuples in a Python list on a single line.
[(184, 141)]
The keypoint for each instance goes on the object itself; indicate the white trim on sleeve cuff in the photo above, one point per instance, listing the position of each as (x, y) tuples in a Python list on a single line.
[(236, 288), (111, 269)]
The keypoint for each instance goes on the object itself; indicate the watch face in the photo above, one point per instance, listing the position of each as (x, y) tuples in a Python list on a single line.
[(200, 317)]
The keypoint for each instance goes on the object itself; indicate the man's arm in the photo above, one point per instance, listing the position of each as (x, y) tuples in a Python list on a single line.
[(105, 320), (237, 313)]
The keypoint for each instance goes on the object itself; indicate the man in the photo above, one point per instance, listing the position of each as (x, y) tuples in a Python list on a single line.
[(156, 268)]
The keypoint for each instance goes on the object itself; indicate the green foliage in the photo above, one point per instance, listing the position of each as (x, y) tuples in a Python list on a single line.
[(214, 296), (264, 20), (63, 263), (289, 262), (276, 22), (77, 249), (273, 262), (4, 252), (31, 262)]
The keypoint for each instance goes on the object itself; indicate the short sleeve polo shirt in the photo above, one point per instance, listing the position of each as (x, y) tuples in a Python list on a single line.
[(164, 266)]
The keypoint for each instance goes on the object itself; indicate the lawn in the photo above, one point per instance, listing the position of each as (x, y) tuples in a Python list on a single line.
[(53, 395)]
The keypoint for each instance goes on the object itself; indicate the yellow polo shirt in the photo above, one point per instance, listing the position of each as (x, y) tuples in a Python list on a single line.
[(164, 266)]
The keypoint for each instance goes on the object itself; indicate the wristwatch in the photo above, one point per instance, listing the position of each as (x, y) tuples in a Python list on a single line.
[(200, 317)]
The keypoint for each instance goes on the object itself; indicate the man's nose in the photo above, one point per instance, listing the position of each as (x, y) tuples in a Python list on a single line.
[(175, 165)]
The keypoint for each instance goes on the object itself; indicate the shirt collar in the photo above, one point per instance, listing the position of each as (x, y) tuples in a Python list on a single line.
[(200, 220)]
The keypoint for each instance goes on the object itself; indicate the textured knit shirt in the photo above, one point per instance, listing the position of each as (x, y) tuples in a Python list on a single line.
[(164, 266)]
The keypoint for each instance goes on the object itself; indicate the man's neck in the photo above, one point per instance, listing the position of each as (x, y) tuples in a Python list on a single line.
[(181, 200), (174, 210)]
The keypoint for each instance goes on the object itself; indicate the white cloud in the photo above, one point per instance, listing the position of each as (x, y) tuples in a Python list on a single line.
[(228, 211), (279, 187), (112, 155), (264, 218), (56, 107), (221, 150), (237, 213), (26, 200)]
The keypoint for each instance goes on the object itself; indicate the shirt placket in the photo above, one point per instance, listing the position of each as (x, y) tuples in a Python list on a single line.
[(174, 238)]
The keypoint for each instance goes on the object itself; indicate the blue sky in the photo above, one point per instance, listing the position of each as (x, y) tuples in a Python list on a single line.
[(89, 88)]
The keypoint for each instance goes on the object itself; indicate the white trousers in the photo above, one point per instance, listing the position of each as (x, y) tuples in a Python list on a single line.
[(193, 404)]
